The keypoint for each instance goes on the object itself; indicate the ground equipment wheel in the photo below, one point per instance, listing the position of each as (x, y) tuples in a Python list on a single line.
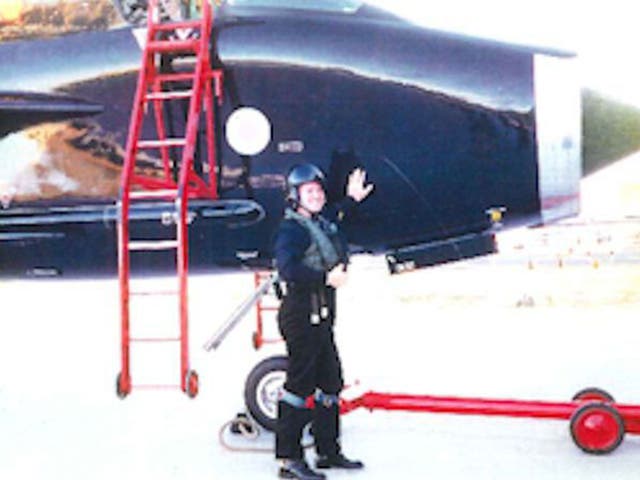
[(191, 382), (122, 389), (597, 427), (262, 390), (593, 393)]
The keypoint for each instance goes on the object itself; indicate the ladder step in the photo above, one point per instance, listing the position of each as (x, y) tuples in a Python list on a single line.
[(155, 339), (169, 26), (155, 387), (148, 293), (184, 63), (171, 46), (153, 194), (176, 77), (153, 245), (169, 95), (169, 142), (270, 308)]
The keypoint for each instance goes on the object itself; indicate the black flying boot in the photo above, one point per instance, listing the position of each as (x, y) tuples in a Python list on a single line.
[(326, 431), (338, 460), (300, 470)]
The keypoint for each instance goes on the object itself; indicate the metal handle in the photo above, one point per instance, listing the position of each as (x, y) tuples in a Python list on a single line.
[(239, 313)]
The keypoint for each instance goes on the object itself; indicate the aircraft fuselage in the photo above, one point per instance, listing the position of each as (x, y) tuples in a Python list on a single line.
[(447, 127)]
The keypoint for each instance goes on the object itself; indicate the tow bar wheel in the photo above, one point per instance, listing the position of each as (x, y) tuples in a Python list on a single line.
[(597, 428), (262, 390), (593, 393)]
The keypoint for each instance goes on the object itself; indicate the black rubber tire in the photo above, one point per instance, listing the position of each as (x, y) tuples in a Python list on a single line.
[(612, 439), (593, 393), (260, 390)]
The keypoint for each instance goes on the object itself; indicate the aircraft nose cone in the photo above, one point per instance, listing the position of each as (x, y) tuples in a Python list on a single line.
[(611, 131)]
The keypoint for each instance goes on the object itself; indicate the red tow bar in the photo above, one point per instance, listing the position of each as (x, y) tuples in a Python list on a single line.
[(597, 424)]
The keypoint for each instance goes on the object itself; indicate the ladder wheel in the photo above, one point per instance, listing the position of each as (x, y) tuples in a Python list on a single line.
[(597, 428), (256, 341), (122, 388), (593, 393), (191, 382)]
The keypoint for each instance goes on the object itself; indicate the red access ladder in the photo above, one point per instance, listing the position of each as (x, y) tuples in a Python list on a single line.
[(184, 40)]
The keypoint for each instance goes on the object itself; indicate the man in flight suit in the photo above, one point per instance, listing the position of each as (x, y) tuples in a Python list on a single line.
[(311, 258)]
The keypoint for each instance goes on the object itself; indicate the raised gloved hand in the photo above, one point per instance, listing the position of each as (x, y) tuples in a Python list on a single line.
[(356, 188)]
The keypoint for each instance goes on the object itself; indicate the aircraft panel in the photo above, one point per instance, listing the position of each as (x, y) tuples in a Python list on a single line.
[(558, 130)]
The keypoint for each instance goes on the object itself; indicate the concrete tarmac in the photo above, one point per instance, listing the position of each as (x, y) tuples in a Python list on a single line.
[(459, 330)]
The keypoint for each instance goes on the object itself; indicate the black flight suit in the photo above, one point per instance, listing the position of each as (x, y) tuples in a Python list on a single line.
[(314, 363)]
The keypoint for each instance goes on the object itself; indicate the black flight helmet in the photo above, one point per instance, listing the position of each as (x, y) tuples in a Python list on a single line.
[(299, 175)]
